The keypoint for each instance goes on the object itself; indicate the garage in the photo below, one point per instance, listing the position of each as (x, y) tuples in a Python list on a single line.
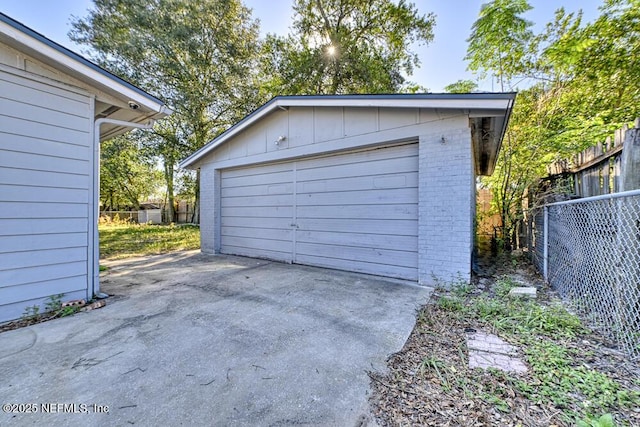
[(376, 184), (356, 211)]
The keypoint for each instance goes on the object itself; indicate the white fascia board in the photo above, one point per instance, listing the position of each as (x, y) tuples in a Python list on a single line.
[(69, 63), (470, 104)]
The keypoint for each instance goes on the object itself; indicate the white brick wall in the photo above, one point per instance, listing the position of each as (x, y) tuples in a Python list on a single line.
[(445, 224)]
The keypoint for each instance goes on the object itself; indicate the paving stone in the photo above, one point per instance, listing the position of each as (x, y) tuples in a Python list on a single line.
[(523, 292), (490, 343), (490, 351), (484, 360)]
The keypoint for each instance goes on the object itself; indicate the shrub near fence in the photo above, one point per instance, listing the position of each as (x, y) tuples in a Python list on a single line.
[(129, 216), (589, 251)]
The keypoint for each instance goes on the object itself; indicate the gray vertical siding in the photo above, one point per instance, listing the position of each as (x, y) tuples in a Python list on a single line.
[(44, 193)]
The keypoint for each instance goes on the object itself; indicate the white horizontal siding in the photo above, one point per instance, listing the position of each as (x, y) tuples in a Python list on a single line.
[(16, 210), (37, 242), (43, 131), (42, 274), (53, 115), (31, 226), (39, 93), (45, 147), (17, 294), (31, 193), (42, 162), (40, 178), (45, 140)]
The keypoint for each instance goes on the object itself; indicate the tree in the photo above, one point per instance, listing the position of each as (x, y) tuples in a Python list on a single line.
[(499, 39), (126, 177), (346, 46), (461, 86), (199, 56), (581, 85), (499, 42)]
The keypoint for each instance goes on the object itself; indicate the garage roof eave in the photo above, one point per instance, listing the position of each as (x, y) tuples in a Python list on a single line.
[(481, 102)]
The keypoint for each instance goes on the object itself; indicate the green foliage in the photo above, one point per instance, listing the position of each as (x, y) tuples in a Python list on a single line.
[(580, 85), (605, 420), (462, 86), (450, 304), (53, 303), (199, 56), (563, 377), (52, 309), (499, 38), (560, 378), (31, 313), (127, 177), (123, 241), (346, 46)]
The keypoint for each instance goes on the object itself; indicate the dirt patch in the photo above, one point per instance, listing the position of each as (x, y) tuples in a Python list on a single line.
[(429, 381)]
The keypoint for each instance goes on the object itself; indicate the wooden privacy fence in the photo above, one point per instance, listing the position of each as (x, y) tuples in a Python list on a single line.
[(606, 168)]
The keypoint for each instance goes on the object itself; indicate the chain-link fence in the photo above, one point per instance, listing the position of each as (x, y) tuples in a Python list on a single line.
[(589, 251)]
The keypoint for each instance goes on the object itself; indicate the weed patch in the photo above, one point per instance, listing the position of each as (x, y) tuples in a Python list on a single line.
[(573, 377)]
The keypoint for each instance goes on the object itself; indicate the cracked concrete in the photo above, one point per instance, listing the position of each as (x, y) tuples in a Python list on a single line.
[(213, 340)]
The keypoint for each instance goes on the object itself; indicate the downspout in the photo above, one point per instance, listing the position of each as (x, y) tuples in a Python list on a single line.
[(94, 206)]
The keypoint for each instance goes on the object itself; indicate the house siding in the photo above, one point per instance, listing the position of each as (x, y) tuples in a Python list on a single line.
[(45, 176)]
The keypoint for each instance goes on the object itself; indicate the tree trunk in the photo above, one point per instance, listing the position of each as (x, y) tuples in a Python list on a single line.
[(195, 217), (168, 176)]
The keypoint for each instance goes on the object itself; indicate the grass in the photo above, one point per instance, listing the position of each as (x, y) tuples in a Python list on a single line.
[(546, 332), (123, 240)]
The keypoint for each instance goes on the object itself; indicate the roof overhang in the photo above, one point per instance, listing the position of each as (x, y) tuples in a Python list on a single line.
[(121, 95), (488, 112)]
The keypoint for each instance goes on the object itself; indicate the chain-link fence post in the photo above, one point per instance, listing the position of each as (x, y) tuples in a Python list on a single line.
[(545, 244)]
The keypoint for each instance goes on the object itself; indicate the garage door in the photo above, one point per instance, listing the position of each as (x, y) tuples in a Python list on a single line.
[(356, 211)]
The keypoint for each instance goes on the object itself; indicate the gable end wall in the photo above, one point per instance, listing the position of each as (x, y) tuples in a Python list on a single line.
[(445, 173)]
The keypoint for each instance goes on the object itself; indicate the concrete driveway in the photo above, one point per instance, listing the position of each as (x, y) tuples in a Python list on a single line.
[(193, 339)]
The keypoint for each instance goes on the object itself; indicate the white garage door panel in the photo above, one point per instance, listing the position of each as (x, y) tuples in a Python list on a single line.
[(408, 179), (256, 206), (256, 222), (264, 212), (385, 154), (258, 243), (408, 273), (356, 211), (371, 197), (257, 190), (337, 195), (262, 233), (259, 201), (402, 228), (395, 242), (396, 211), (363, 254)]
